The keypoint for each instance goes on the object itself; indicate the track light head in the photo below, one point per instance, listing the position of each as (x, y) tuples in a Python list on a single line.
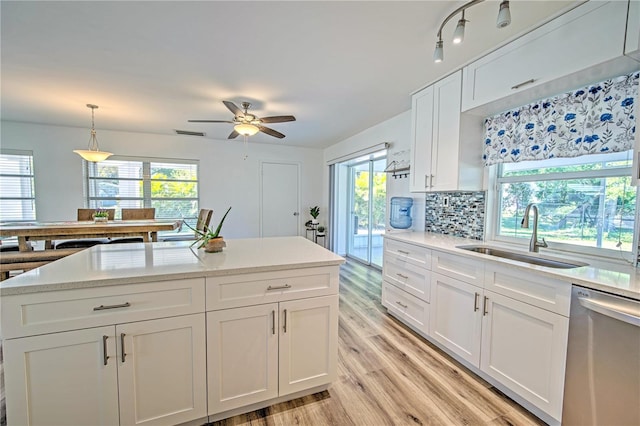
[(504, 15), (458, 34), (438, 54)]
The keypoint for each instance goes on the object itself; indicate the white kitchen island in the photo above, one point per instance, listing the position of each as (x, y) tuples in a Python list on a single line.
[(164, 334)]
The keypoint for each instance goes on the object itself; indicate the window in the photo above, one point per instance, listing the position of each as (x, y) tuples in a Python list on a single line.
[(585, 201), (170, 186), (17, 194)]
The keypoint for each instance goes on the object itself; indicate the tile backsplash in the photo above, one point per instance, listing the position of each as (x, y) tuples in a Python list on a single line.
[(456, 213)]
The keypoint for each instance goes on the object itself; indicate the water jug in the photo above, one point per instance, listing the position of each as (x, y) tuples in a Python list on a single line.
[(401, 212)]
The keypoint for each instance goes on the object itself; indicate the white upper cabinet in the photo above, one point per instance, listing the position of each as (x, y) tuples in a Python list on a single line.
[(439, 162), (586, 36), (632, 41)]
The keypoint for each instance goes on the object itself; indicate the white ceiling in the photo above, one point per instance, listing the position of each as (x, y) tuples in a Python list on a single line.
[(338, 66)]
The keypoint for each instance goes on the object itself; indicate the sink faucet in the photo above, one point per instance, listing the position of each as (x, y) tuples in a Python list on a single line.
[(534, 244)]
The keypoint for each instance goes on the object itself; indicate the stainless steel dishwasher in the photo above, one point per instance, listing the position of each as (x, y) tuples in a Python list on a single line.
[(602, 385)]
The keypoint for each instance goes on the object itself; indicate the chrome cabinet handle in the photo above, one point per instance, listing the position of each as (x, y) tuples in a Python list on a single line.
[(524, 83), (484, 306), (404, 306), (122, 353), (103, 307), (284, 327), (279, 287), (475, 302), (403, 252), (273, 322), (402, 276), (426, 181), (105, 357), (431, 181)]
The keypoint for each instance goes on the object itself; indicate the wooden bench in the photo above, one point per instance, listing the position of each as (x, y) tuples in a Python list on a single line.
[(25, 261)]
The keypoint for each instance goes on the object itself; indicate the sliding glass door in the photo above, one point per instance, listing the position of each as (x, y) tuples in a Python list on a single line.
[(367, 202)]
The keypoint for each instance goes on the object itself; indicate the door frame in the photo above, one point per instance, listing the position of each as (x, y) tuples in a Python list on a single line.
[(261, 197)]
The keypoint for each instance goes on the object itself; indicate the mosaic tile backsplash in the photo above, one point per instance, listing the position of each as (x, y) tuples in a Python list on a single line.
[(460, 214)]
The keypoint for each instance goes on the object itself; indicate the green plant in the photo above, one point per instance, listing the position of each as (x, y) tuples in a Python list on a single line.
[(314, 212), (101, 213), (321, 229), (203, 237)]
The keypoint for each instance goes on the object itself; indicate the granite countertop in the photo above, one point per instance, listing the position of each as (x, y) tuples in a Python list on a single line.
[(115, 264), (616, 279)]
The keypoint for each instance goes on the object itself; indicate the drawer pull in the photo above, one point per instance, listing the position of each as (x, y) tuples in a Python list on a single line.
[(404, 306), (475, 302), (284, 327), (431, 181), (403, 252), (402, 276), (524, 83), (105, 357), (103, 307), (484, 306), (279, 287), (122, 353)]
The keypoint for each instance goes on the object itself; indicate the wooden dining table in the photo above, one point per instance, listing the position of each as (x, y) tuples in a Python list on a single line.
[(49, 231)]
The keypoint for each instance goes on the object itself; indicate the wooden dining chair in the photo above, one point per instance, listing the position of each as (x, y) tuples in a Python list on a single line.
[(86, 215), (202, 223), (135, 214)]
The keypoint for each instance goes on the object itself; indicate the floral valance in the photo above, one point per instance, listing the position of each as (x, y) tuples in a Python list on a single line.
[(596, 119)]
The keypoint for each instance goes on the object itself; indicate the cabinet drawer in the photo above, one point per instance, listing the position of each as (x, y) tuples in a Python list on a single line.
[(409, 309), (404, 275), (251, 289), (416, 255), (534, 289), (462, 268), (38, 313)]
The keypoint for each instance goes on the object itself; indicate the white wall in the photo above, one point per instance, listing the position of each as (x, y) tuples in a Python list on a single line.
[(226, 179), (397, 132)]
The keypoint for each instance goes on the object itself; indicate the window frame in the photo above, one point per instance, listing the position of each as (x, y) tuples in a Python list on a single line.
[(146, 179), (495, 179), (32, 176)]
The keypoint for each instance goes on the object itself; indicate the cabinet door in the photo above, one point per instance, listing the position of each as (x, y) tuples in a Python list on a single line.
[(308, 343), (421, 139), (407, 308), (632, 39), (242, 356), (61, 378), (446, 133), (524, 348), (456, 316), (161, 370)]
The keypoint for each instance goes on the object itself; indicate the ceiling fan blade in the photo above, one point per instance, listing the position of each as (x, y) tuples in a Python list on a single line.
[(278, 119), (233, 135), (234, 108), (209, 121), (271, 132)]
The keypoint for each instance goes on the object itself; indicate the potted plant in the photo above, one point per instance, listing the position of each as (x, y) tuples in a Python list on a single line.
[(211, 240), (314, 212), (321, 230), (101, 215)]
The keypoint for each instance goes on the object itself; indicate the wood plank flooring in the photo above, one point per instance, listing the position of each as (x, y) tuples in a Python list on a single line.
[(388, 375)]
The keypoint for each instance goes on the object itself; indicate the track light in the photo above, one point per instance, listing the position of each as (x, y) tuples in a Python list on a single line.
[(504, 15), (504, 19), (458, 34)]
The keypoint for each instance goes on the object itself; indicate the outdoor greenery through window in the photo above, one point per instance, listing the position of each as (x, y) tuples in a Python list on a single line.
[(585, 201), (170, 186), (17, 182)]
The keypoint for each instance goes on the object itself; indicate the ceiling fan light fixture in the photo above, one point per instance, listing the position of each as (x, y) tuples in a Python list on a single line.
[(93, 154), (246, 129), (504, 15)]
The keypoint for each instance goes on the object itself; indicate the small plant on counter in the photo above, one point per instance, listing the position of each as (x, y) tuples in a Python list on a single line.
[(314, 212), (203, 238), (101, 213)]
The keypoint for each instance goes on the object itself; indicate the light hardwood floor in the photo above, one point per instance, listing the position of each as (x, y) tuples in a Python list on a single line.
[(388, 375)]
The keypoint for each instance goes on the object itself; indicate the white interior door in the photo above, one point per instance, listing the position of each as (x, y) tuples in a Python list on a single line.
[(279, 203)]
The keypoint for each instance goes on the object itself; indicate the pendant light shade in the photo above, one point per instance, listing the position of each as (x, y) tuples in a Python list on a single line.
[(504, 15), (93, 154), (438, 54), (458, 34), (246, 129)]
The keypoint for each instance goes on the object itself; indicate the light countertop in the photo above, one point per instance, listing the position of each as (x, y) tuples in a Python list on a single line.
[(113, 264), (618, 279)]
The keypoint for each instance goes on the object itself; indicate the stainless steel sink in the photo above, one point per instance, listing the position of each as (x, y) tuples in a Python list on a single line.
[(523, 257)]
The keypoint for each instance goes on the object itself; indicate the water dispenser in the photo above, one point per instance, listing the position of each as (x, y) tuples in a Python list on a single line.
[(401, 212)]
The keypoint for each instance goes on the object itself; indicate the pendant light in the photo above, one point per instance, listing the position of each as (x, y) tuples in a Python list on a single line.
[(246, 129), (504, 19), (93, 154)]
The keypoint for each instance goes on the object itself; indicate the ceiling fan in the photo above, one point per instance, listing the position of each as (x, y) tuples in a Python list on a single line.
[(247, 124)]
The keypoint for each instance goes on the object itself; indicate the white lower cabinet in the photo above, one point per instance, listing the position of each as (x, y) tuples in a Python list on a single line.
[(524, 347), (147, 372), (257, 353), (456, 316)]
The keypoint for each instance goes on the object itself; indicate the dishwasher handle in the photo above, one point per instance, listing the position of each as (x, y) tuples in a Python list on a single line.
[(610, 311)]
